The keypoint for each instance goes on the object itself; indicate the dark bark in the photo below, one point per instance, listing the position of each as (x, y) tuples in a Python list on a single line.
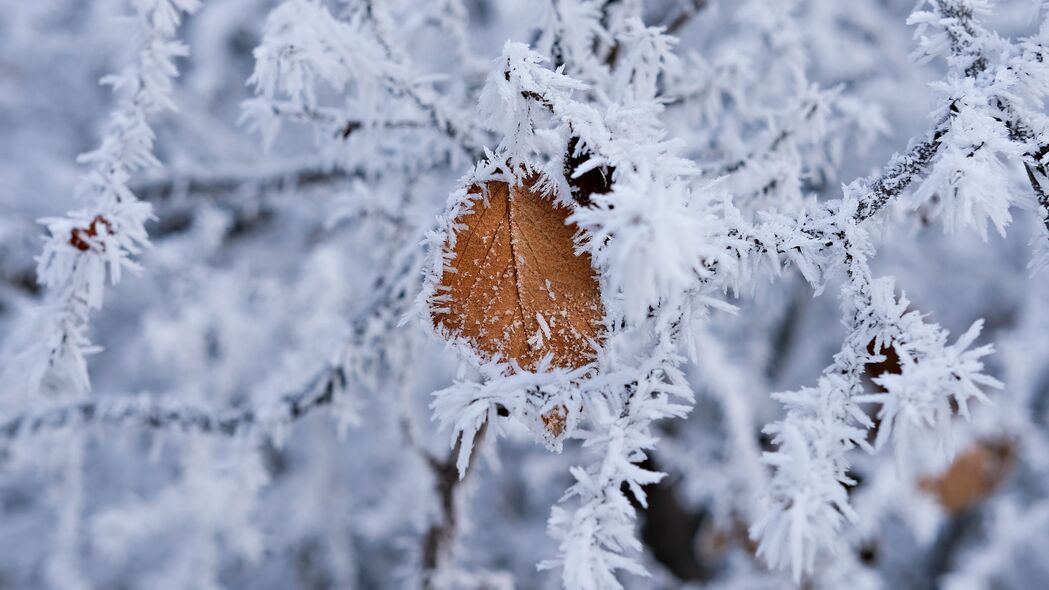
[(596, 181)]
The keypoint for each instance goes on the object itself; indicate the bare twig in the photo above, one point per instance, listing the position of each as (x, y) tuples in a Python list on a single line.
[(439, 538), (342, 127), (688, 11), (221, 185)]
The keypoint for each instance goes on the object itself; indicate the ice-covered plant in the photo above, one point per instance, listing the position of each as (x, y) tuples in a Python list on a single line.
[(613, 228)]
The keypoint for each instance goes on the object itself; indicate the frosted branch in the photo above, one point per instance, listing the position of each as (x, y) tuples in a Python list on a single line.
[(100, 242), (152, 414)]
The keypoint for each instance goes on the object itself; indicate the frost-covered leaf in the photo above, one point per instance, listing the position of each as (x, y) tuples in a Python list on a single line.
[(514, 287)]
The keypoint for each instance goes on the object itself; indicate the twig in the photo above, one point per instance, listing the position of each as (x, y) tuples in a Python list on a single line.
[(808, 109), (162, 415), (683, 17), (441, 121), (320, 390), (343, 127), (1021, 132), (439, 538), (216, 186), (901, 171)]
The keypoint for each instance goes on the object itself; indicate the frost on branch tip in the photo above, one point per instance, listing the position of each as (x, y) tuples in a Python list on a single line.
[(966, 183), (515, 100), (303, 43), (656, 245), (926, 393), (808, 500), (594, 521)]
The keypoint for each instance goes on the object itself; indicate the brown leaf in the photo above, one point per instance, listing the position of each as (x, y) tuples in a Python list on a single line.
[(555, 421), (77, 236), (514, 285), (973, 476)]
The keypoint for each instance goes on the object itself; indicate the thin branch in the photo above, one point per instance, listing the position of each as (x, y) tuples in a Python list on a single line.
[(228, 188), (1033, 173), (904, 170), (690, 10), (1021, 132), (900, 173), (441, 121), (439, 538), (343, 127), (221, 185), (808, 109), (163, 415), (155, 414)]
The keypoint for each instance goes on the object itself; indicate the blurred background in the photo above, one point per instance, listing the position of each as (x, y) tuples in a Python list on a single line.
[(261, 256)]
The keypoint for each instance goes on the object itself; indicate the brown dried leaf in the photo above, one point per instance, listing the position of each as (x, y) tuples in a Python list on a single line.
[(973, 476), (555, 421), (77, 237), (515, 286)]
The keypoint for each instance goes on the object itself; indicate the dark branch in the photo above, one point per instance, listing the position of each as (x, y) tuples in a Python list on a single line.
[(216, 186), (690, 10), (439, 538), (962, 30), (1021, 132), (343, 127)]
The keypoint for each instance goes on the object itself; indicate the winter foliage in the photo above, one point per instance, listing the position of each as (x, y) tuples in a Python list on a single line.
[(818, 229)]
